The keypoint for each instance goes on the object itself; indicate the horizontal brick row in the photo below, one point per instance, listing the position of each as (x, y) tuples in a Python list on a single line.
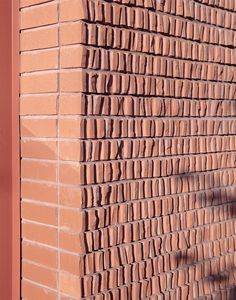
[(82, 104), (159, 284), (137, 238), (139, 41), (125, 40), (142, 148), (150, 188), (133, 217), (134, 63), (162, 262), (124, 84), (139, 169), (183, 5), (122, 193), (225, 4), (40, 148), (138, 128), (150, 19)]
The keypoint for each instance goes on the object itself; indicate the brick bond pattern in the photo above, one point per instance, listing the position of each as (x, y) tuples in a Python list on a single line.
[(128, 149)]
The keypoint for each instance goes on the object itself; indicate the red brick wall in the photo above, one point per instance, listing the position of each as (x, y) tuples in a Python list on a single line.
[(128, 149)]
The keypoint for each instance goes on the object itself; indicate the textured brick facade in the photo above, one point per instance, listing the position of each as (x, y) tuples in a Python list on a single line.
[(128, 149)]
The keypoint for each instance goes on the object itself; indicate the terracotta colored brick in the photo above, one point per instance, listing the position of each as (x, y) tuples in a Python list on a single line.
[(72, 81), (71, 128), (39, 191), (40, 233), (73, 264), (65, 298), (45, 37), (38, 170), (38, 105), (38, 16), (71, 10), (70, 285), (70, 173), (39, 254), (39, 83), (70, 196), (39, 274), (68, 242), (71, 33), (38, 149), (72, 220), (38, 128), (72, 57), (24, 3), (32, 291), (39, 60), (70, 151), (30, 211), (71, 104)]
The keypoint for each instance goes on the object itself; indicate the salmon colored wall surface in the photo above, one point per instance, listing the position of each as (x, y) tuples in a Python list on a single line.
[(9, 150), (128, 147)]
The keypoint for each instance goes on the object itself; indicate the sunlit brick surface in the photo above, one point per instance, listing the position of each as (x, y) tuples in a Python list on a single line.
[(128, 135)]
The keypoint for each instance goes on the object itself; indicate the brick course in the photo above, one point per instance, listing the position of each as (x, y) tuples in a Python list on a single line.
[(128, 149)]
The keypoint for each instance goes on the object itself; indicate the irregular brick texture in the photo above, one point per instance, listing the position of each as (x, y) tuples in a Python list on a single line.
[(128, 149)]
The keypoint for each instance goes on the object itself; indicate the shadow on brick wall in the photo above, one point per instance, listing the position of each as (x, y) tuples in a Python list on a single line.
[(219, 274), (216, 196)]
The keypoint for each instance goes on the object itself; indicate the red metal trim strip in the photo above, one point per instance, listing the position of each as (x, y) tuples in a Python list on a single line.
[(9, 152), (16, 225)]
